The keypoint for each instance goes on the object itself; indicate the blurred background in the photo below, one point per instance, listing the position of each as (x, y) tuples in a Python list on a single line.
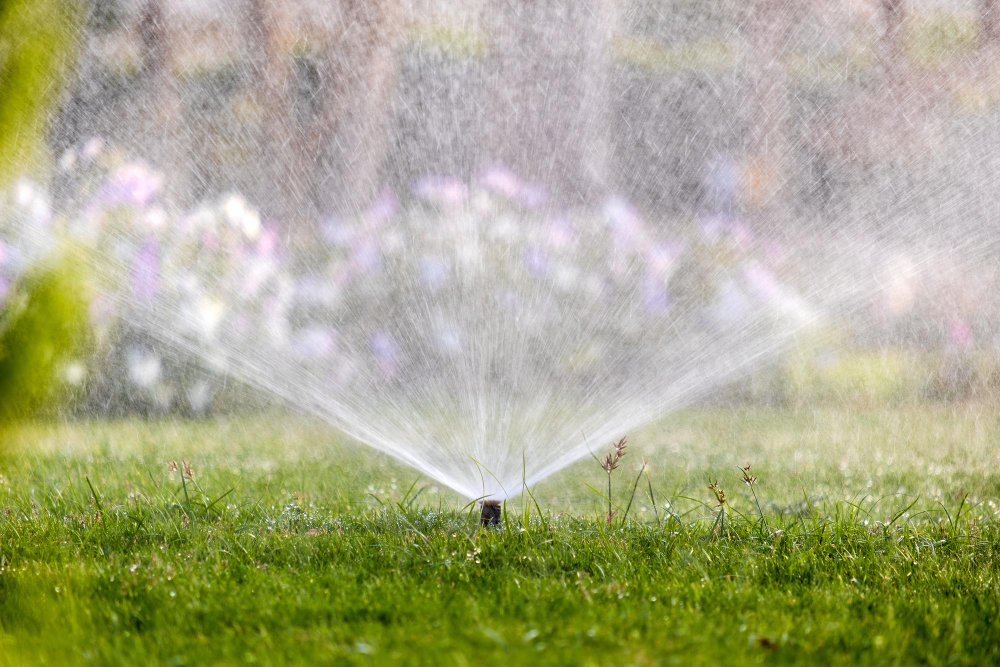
[(806, 110), (812, 126)]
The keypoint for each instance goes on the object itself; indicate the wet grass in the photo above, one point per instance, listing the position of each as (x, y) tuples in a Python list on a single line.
[(875, 541)]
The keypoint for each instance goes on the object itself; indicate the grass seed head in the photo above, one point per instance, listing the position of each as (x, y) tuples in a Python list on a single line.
[(719, 492), (610, 462), (620, 448)]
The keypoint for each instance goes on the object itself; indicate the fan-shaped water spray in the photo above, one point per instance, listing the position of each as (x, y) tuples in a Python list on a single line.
[(485, 326)]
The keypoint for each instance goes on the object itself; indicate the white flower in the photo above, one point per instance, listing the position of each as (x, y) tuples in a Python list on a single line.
[(483, 204), (200, 396), (201, 218), (505, 229), (242, 216), (92, 148), (449, 339), (144, 369), (251, 225), (155, 218), (233, 207), (75, 373), (67, 160), (566, 277), (393, 242), (208, 315), (315, 343), (470, 256), (28, 196)]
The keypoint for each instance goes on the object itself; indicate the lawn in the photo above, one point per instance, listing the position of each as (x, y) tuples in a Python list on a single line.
[(874, 540)]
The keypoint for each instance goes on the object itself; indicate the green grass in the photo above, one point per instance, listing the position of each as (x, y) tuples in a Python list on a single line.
[(290, 545)]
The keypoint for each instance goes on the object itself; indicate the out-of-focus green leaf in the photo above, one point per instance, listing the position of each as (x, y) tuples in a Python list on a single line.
[(37, 42), (43, 327)]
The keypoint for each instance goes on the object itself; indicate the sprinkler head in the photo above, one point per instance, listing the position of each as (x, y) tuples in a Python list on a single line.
[(491, 513)]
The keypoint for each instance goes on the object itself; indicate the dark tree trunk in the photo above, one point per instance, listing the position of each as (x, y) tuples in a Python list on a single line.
[(768, 33), (989, 23), (546, 107), (350, 134), (158, 108), (282, 173), (894, 38)]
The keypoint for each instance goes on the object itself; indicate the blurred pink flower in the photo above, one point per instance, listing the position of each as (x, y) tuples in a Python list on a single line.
[(382, 209), (242, 324), (433, 272), (146, 271), (134, 183), (959, 333), (501, 181), (661, 257), (532, 196), (337, 233), (742, 234), (34, 200), (315, 343), (385, 352), (102, 309), (92, 148), (762, 282), (654, 294), (255, 274), (559, 234), (712, 226), (366, 257), (441, 190), (268, 241), (536, 261), (624, 220)]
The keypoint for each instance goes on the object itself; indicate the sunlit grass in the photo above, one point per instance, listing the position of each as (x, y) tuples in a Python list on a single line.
[(875, 540)]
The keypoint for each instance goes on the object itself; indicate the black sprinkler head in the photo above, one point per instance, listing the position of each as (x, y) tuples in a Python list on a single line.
[(491, 513)]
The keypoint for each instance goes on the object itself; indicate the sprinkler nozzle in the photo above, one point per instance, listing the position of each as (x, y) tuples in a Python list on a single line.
[(491, 513)]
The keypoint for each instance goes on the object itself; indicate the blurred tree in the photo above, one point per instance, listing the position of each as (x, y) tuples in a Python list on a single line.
[(158, 108), (325, 110), (768, 29), (564, 146), (42, 328), (358, 75), (989, 22), (37, 42), (283, 185), (894, 14), (42, 316)]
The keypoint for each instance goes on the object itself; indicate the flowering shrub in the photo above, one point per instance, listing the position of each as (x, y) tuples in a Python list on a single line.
[(42, 329), (455, 288)]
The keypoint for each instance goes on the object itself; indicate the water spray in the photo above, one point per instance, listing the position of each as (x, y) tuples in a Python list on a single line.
[(485, 313)]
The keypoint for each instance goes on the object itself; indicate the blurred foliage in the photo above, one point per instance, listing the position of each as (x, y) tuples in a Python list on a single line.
[(43, 327), (37, 42), (42, 318), (937, 37), (457, 42), (869, 376), (696, 56), (825, 367)]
